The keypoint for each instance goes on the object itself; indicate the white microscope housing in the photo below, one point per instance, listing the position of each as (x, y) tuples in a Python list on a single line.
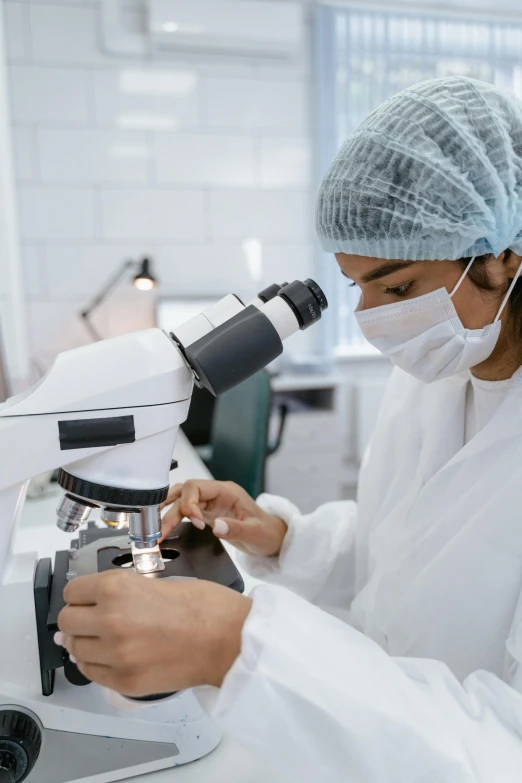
[(107, 416)]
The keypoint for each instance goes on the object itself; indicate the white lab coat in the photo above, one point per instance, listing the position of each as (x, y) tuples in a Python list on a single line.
[(423, 684)]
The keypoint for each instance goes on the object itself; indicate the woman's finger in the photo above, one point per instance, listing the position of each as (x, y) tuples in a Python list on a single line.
[(97, 672), (251, 535), (192, 497), (84, 590), (78, 621), (185, 501), (248, 531), (88, 650), (200, 498), (171, 520), (174, 494), (198, 501)]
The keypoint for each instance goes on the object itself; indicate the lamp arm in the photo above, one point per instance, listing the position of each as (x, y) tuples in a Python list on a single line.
[(95, 334), (109, 286)]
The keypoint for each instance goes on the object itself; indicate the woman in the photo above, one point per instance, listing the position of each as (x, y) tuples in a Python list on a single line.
[(423, 209)]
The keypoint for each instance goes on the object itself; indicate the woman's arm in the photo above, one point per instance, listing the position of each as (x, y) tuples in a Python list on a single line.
[(317, 556), (322, 702)]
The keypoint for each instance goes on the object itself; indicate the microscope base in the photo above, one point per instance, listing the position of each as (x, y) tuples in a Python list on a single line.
[(86, 739), (173, 733), (106, 759)]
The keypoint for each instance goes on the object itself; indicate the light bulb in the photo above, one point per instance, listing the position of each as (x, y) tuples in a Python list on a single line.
[(144, 283)]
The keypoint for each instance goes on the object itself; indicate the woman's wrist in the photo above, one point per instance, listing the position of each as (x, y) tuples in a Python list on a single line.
[(227, 645), (276, 529)]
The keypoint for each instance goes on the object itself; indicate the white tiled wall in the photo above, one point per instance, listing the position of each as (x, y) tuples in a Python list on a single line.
[(206, 160), (137, 96), (93, 156), (255, 105), (180, 159), (49, 96)]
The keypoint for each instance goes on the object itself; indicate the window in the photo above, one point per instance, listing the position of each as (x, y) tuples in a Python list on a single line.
[(364, 57)]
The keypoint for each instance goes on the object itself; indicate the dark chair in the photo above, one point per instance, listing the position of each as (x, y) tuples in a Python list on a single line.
[(239, 437)]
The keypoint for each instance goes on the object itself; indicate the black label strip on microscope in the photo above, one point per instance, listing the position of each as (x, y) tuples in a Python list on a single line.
[(96, 433)]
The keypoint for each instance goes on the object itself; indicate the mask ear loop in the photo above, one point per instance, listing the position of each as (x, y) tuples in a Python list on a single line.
[(463, 275), (511, 287)]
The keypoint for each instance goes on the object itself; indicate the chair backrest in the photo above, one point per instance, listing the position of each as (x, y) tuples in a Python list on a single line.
[(240, 434)]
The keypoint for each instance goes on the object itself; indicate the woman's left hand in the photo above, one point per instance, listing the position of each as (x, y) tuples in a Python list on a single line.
[(140, 636)]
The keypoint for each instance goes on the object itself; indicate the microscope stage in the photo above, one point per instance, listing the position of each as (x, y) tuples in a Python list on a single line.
[(189, 554)]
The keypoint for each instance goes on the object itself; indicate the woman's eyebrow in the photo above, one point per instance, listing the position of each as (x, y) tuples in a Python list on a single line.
[(385, 269)]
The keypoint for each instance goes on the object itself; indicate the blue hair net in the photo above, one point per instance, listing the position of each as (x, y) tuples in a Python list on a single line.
[(433, 173)]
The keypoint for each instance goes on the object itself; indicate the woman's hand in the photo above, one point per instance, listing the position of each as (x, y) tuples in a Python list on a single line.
[(141, 636), (231, 513)]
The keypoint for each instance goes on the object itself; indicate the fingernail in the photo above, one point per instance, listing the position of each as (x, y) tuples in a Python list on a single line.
[(220, 527), (197, 523), (59, 638), (72, 658)]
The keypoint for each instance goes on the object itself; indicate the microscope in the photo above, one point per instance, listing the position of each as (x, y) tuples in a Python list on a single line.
[(106, 416)]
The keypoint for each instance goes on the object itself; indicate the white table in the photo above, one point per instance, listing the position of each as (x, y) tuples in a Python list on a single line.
[(229, 762)]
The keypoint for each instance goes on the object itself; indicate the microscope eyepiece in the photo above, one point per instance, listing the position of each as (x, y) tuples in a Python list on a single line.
[(318, 292), (306, 299), (251, 339)]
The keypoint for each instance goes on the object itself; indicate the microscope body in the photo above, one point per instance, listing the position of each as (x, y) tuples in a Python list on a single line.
[(107, 415)]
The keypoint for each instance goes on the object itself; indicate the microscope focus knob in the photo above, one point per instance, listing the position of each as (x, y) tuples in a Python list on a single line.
[(20, 743), (7, 767), (74, 675)]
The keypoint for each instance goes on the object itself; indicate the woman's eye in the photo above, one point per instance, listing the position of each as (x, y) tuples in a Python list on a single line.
[(400, 290)]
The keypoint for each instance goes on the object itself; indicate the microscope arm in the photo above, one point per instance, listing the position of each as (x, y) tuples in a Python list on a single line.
[(107, 413)]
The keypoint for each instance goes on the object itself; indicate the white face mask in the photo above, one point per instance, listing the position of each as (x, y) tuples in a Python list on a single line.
[(425, 336)]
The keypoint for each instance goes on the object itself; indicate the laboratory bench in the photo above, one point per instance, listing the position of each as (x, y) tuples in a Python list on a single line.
[(229, 762)]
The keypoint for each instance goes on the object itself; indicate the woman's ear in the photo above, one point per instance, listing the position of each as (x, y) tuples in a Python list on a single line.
[(511, 262), (502, 269)]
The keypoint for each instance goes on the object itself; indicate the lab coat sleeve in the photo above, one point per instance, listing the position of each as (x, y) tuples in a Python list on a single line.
[(318, 553), (321, 702)]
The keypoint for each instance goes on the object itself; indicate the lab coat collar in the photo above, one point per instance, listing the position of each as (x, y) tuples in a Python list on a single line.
[(449, 419)]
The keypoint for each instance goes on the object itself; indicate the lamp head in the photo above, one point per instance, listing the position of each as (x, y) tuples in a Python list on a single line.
[(145, 280)]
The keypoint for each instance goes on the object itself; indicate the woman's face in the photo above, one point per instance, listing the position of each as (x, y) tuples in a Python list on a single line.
[(386, 281)]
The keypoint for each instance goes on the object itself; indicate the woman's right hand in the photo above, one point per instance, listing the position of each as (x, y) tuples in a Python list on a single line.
[(230, 512)]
